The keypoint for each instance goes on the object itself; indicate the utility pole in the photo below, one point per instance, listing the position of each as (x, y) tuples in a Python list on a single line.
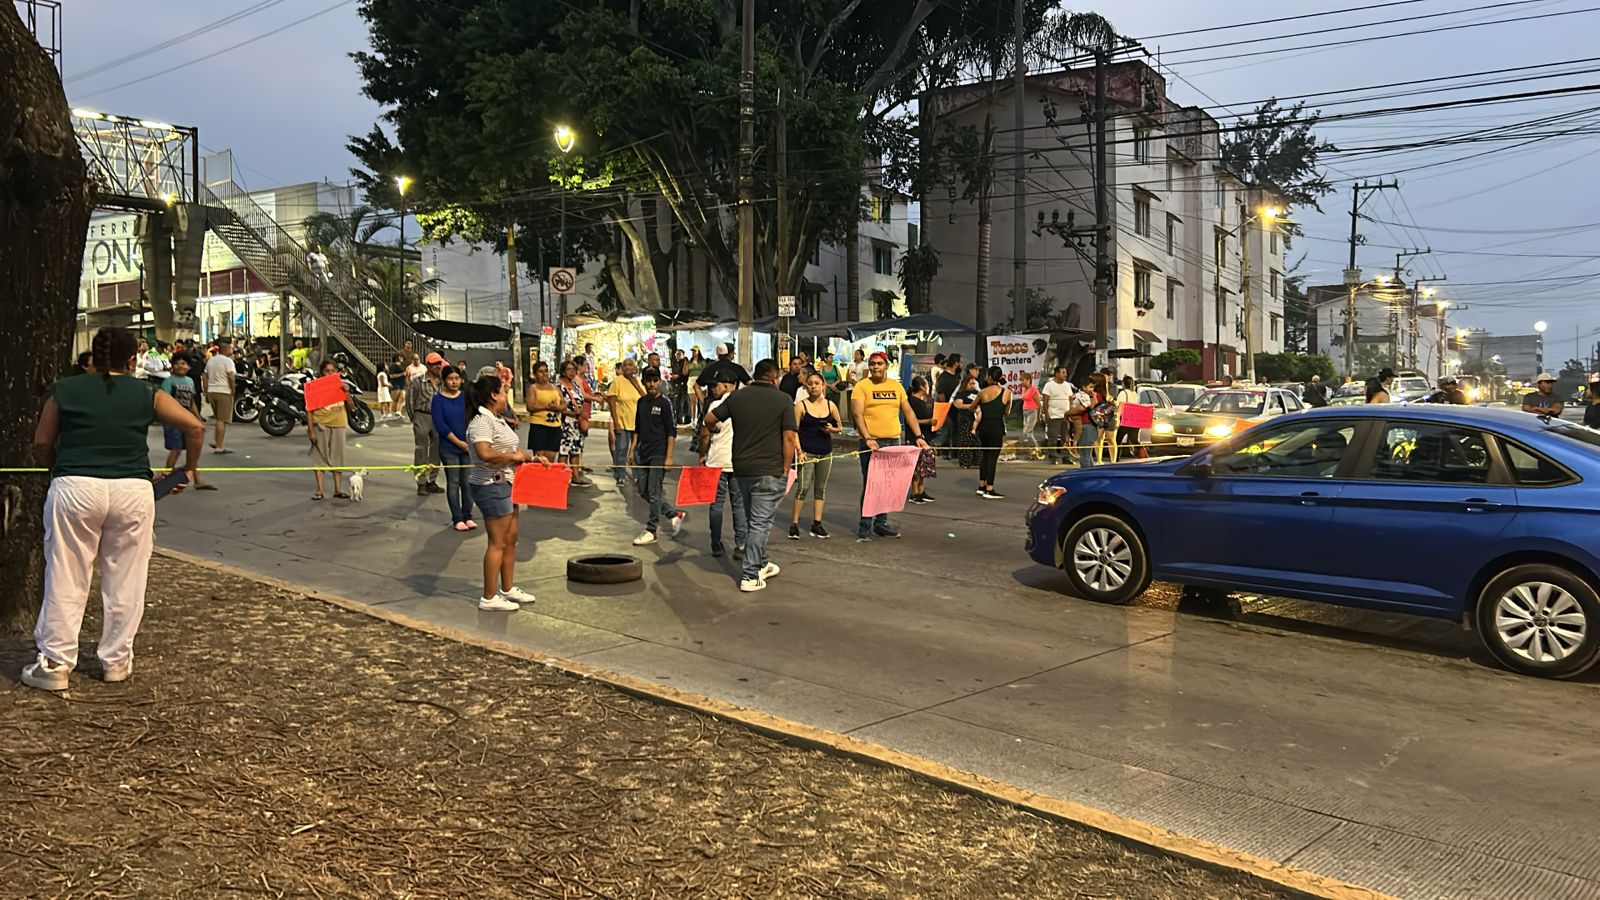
[(514, 314), (1102, 197), (1352, 274), (747, 156), (1019, 252), (1394, 312), (784, 272), (1416, 294)]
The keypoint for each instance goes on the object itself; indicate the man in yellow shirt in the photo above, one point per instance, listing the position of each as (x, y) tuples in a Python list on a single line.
[(877, 404), (622, 398)]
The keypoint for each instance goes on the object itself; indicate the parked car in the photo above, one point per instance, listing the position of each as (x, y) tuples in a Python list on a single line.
[(1409, 387), (1293, 387), (1349, 394), (1217, 414), (1182, 395), (1496, 512)]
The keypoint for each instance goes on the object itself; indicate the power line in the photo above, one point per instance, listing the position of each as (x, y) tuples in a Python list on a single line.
[(1302, 16), (1373, 24), (172, 42)]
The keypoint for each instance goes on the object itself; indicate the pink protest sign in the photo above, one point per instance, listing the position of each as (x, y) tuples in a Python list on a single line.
[(789, 485), (1137, 415), (325, 391), (888, 477)]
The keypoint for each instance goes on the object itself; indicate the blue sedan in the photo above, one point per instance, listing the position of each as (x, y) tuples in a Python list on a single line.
[(1495, 514)]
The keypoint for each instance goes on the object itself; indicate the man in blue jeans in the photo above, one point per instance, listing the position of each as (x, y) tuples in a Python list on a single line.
[(878, 403), (764, 445), (716, 450), (655, 433)]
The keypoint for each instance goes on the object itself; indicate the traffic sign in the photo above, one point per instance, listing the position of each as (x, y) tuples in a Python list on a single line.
[(786, 305), (514, 316), (562, 281)]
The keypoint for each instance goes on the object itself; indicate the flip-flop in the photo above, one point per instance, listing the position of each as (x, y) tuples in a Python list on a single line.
[(340, 495), (316, 496), (205, 487)]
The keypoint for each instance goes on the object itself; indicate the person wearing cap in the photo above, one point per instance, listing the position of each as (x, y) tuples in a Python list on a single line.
[(1450, 391), (715, 443), (425, 440), (764, 449), (1378, 386), (1542, 401), (878, 403), (723, 362)]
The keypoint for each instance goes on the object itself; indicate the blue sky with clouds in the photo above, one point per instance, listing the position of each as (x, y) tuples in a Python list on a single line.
[(286, 104)]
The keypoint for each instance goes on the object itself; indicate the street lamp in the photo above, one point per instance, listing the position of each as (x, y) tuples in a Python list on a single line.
[(1263, 214), (402, 182), (1540, 326), (566, 139)]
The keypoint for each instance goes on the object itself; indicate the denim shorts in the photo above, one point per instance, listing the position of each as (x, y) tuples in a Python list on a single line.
[(494, 499), (172, 437)]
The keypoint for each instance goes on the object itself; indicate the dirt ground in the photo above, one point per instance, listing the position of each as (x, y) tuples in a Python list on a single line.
[(271, 744)]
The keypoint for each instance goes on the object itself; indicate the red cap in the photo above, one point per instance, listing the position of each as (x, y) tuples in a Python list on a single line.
[(878, 356), (434, 358)]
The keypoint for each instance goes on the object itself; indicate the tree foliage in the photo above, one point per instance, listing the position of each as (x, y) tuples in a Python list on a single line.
[(1168, 362), (1274, 368), (1275, 148)]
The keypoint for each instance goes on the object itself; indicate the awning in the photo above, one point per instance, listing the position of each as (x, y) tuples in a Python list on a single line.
[(466, 332), (1149, 337), (770, 323), (922, 322)]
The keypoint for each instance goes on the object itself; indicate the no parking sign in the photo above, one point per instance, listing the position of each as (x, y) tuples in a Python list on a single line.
[(563, 281)]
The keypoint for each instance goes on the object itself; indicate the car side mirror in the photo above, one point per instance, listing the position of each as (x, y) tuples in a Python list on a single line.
[(1200, 468)]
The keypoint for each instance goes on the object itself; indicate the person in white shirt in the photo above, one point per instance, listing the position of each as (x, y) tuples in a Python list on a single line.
[(217, 383), (716, 449), (1057, 399), (496, 455)]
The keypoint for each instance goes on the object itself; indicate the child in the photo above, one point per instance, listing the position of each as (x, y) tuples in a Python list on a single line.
[(654, 433), (181, 388)]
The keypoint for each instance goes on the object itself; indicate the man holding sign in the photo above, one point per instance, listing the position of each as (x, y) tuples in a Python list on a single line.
[(764, 445), (877, 404)]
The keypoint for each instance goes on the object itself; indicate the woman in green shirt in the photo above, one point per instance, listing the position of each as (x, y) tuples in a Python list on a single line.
[(93, 435)]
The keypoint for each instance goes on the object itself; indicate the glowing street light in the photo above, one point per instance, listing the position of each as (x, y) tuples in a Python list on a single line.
[(402, 182), (1540, 326), (566, 138)]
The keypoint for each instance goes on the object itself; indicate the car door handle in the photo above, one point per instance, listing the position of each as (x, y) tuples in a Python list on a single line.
[(1310, 498), (1478, 504)]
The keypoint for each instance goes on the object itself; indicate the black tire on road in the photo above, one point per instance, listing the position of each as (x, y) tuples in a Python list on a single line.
[(276, 422), (1539, 619), (361, 420), (607, 569), (1105, 559), (245, 408)]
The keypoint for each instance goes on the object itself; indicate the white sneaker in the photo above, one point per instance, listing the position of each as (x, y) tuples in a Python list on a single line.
[(649, 537), (751, 585), (516, 595), (675, 524), (770, 570), (40, 674), (113, 674), (497, 603)]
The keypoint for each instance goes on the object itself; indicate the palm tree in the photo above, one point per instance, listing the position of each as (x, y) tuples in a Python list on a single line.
[(347, 239), (381, 280)]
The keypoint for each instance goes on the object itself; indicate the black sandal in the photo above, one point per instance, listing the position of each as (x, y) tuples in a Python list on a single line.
[(317, 496), (340, 495)]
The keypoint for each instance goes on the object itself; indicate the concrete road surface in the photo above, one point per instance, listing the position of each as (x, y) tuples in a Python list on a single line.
[(1381, 750)]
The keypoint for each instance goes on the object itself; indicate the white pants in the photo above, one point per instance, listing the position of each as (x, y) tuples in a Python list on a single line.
[(114, 519)]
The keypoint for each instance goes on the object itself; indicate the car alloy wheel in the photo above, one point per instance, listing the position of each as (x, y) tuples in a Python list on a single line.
[(1105, 559), (1540, 619)]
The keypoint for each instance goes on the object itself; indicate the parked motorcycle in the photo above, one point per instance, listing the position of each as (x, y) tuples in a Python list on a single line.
[(247, 398), (283, 405)]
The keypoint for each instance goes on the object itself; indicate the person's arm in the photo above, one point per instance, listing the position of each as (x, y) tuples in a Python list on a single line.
[(911, 416), (489, 456), (202, 377), (834, 427), (611, 420), (1044, 404), (168, 412), (233, 379), (672, 431), (311, 428), (45, 434), (791, 448), (858, 414), (977, 417)]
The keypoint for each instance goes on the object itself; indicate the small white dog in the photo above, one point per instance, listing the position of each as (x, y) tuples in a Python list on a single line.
[(358, 485)]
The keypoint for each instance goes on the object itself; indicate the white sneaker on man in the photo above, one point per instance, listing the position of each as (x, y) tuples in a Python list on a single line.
[(46, 677), (497, 603), (516, 595), (649, 537), (770, 570), (751, 585), (675, 524), (113, 674)]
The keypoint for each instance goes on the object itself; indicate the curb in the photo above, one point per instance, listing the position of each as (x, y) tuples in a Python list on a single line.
[(1135, 831)]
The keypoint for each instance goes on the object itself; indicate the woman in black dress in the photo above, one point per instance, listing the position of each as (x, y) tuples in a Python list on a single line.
[(989, 428), (964, 407)]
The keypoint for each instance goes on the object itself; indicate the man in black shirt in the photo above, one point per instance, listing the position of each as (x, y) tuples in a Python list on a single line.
[(1316, 393), (1591, 412), (764, 444), (944, 387), (790, 384), (654, 434), (724, 361)]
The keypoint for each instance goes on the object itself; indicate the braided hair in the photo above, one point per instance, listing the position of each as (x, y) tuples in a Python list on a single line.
[(112, 348)]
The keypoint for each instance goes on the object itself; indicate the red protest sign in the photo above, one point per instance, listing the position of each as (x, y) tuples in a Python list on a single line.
[(697, 485), (1137, 415), (325, 391), (542, 486), (940, 410)]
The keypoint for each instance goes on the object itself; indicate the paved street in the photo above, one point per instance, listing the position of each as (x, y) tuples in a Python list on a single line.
[(1375, 749)]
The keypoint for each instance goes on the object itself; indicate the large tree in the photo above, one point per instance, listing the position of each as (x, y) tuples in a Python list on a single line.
[(1276, 148), (45, 197)]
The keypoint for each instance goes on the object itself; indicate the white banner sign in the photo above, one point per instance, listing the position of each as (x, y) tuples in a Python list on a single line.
[(1016, 354)]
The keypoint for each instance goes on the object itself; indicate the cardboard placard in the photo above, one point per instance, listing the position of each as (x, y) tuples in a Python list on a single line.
[(889, 474), (540, 485), (940, 410), (325, 391), (1137, 415), (697, 485)]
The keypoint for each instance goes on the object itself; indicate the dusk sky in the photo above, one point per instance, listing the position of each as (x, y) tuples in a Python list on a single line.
[(286, 104)]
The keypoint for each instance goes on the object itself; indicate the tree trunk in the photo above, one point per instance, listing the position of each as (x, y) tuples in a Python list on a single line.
[(852, 265), (985, 231), (44, 216)]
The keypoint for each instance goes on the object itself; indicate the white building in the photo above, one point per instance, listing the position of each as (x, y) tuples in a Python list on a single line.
[(1390, 329), (1176, 219)]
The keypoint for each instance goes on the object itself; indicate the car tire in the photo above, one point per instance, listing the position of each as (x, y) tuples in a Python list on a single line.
[(1105, 559), (604, 569), (1539, 619)]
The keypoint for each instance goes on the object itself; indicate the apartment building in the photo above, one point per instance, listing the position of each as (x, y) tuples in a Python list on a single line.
[(1181, 224)]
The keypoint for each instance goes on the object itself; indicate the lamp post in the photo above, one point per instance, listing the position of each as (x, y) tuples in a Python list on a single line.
[(1267, 214), (402, 182), (566, 139)]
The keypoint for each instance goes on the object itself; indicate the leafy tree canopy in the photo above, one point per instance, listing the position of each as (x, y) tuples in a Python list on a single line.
[(1277, 149)]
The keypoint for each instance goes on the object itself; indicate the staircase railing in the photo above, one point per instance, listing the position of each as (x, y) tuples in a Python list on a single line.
[(360, 320)]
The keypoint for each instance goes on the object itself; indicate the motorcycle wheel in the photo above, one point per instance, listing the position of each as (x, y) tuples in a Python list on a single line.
[(276, 422), (245, 408), (361, 420)]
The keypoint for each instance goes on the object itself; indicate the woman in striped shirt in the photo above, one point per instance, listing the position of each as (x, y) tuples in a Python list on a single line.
[(496, 456)]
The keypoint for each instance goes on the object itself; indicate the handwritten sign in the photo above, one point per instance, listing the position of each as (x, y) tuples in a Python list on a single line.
[(325, 391), (1137, 415), (889, 474), (542, 486), (697, 485)]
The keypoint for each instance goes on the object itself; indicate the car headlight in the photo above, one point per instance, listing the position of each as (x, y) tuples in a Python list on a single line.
[(1050, 493), (1162, 428), (1219, 430)]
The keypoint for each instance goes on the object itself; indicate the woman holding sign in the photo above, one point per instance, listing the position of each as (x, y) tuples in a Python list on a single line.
[(989, 427), (327, 428), (496, 455)]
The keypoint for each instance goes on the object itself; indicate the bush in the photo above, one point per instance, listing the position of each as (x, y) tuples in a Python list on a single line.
[(1296, 367), (1169, 361)]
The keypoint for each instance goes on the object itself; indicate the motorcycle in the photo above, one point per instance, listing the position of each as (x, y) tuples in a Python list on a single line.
[(247, 401), (283, 405)]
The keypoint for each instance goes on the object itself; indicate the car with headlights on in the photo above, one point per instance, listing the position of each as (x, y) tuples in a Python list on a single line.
[(1219, 413), (1498, 513)]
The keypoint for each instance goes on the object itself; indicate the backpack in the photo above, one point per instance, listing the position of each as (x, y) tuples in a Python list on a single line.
[(1103, 414)]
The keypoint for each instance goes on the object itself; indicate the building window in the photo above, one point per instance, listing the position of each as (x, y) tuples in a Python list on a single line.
[(1141, 289), (1241, 213), (1172, 235), (1222, 306), (1141, 145), (816, 256), (1173, 288), (1274, 285), (881, 204), (1141, 215), (882, 261), (1272, 241), (1221, 248), (1222, 196), (1169, 175), (1141, 366), (913, 235), (1277, 325)]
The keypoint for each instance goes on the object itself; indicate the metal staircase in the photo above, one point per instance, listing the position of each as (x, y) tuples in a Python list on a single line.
[(350, 312)]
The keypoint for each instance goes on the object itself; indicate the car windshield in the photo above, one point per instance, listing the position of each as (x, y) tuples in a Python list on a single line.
[(1249, 403), (1181, 394), (1411, 385)]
